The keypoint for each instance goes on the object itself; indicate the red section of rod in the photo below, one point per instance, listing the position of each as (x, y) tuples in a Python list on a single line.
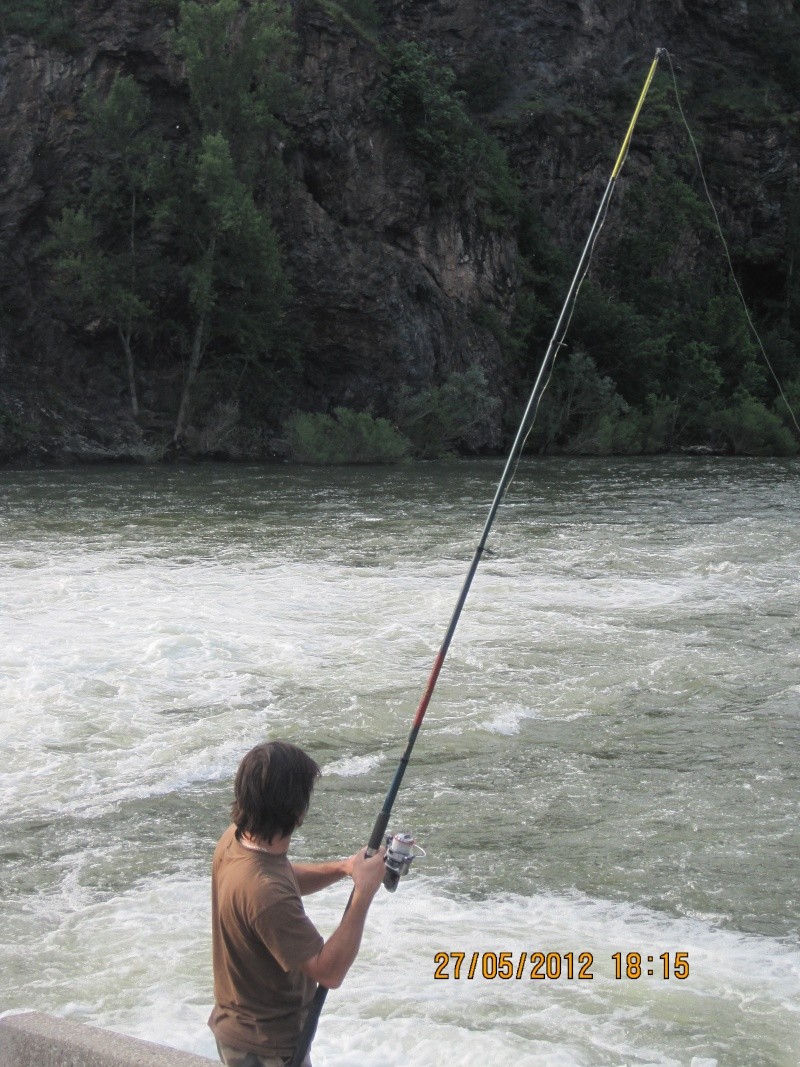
[(429, 688)]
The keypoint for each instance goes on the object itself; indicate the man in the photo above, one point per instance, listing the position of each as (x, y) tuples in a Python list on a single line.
[(268, 955)]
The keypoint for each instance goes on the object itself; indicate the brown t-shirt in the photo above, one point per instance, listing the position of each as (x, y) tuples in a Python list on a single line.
[(260, 936)]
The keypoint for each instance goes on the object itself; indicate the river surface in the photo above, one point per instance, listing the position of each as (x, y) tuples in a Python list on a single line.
[(609, 764)]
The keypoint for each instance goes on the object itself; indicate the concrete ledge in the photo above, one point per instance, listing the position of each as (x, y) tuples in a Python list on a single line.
[(34, 1039)]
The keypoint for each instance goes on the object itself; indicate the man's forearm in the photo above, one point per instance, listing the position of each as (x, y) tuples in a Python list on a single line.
[(311, 877), (341, 948), (333, 961)]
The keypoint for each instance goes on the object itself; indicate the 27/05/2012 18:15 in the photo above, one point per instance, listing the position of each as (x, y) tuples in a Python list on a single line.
[(555, 965)]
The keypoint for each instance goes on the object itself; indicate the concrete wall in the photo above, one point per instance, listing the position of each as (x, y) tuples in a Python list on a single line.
[(33, 1039)]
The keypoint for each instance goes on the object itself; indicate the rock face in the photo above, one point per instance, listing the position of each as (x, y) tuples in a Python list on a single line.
[(388, 284)]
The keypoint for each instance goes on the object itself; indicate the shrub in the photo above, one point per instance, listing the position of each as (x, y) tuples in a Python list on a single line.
[(578, 410), (619, 433), (438, 419), (750, 429), (788, 405), (344, 437), (659, 424)]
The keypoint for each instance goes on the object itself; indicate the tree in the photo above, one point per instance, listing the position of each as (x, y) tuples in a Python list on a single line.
[(99, 260), (440, 418), (236, 287), (236, 68)]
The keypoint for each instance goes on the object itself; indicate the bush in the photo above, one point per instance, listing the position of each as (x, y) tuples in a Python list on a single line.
[(659, 424), (344, 437), (619, 433), (579, 410), (750, 429), (787, 407), (439, 419)]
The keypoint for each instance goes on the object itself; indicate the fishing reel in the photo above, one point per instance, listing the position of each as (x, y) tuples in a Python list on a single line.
[(400, 854)]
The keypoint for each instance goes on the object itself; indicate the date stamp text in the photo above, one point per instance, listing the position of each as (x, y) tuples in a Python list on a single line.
[(552, 966)]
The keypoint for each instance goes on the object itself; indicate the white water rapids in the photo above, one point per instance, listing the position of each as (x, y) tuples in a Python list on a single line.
[(609, 763)]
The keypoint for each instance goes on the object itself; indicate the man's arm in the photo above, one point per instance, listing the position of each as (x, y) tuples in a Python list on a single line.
[(312, 877), (336, 957)]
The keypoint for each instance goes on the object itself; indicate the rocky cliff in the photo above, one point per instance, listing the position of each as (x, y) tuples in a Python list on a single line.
[(394, 287)]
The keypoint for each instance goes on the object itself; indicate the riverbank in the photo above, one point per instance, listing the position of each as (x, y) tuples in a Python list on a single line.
[(48, 439)]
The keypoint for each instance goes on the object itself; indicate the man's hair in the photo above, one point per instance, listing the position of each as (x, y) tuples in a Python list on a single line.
[(272, 790)]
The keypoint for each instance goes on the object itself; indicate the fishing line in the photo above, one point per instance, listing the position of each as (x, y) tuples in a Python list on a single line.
[(750, 322), (542, 378)]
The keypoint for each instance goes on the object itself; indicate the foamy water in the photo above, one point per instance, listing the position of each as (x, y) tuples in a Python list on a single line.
[(609, 763)]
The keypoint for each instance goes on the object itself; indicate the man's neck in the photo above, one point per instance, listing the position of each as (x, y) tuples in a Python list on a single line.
[(279, 846)]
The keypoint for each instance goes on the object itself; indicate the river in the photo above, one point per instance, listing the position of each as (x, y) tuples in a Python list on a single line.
[(608, 766)]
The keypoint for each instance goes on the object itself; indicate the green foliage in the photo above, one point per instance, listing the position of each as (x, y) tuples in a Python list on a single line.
[(421, 99), (659, 110), (544, 269), (751, 429), (694, 381), (232, 267), (431, 424), (170, 240), (177, 236), (52, 22), (344, 437), (660, 320), (787, 407), (658, 424), (237, 70), (78, 262), (239, 275), (658, 220), (100, 266), (439, 419), (731, 99), (95, 280), (581, 412), (236, 63), (117, 123)]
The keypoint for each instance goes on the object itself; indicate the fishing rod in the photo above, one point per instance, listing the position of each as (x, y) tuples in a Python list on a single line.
[(400, 857)]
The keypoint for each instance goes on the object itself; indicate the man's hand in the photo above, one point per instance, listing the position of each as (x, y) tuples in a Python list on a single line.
[(367, 873)]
